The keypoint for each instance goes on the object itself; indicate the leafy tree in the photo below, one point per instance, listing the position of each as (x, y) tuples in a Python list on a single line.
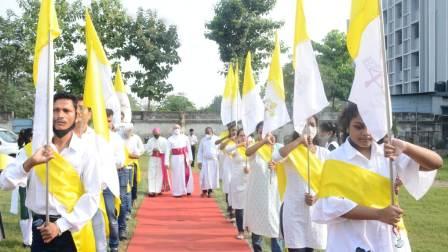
[(335, 65), (145, 39), (176, 103), (215, 105), (240, 26)]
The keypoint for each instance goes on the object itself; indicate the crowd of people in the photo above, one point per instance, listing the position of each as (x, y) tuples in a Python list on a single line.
[(308, 193)]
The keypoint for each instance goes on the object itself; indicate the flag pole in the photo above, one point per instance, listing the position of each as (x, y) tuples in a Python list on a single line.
[(49, 117), (387, 99), (308, 158)]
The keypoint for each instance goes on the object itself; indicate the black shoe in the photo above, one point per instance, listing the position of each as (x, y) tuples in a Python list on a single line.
[(123, 237), (188, 194), (25, 245), (113, 249)]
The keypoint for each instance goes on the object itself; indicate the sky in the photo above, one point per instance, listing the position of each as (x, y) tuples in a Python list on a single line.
[(198, 76)]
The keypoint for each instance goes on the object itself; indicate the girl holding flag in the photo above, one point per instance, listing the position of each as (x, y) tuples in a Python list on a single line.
[(299, 232), (354, 191)]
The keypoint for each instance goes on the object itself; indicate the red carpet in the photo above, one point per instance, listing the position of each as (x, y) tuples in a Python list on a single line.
[(191, 223)]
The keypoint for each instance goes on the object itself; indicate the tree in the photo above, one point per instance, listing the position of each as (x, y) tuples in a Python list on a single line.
[(215, 105), (335, 65), (145, 39), (240, 26), (176, 103)]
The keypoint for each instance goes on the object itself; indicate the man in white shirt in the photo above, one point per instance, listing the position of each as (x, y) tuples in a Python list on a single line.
[(135, 149), (118, 150), (157, 147), (193, 142), (109, 179), (57, 234), (180, 163), (208, 162)]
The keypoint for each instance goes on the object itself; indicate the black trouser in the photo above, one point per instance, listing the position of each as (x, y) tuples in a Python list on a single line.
[(239, 213), (229, 208), (62, 243), (134, 184), (193, 152)]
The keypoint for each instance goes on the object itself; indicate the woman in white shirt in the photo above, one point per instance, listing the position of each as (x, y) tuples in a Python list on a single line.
[(238, 184), (356, 227), (299, 232), (327, 135)]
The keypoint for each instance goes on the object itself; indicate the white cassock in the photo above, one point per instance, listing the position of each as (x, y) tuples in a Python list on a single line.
[(208, 158), (369, 235), (227, 169), (179, 161), (157, 149), (262, 212), (299, 231), (238, 183)]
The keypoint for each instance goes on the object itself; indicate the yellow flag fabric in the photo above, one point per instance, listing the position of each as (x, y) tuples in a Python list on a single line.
[(248, 81), (299, 159), (93, 89), (133, 161), (47, 24), (362, 14), (242, 151), (342, 179), (66, 186), (118, 82), (275, 112), (230, 99), (5, 160), (300, 33)]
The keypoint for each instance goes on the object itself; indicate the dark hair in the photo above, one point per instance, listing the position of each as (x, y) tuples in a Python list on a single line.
[(231, 125), (80, 98), (66, 96), (238, 132), (328, 127), (347, 115), (109, 112), (191, 130), (208, 127), (25, 136), (259, 125)]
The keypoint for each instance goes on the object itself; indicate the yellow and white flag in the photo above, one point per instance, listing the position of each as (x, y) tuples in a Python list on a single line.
[(275, 111), (252, 107), (230, 99), (309, 94), (369, 90), (94, 95), (104, 70), (43, 72), (120, 90)]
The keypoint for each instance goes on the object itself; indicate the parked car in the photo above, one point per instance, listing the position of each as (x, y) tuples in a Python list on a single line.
[(8, 142)]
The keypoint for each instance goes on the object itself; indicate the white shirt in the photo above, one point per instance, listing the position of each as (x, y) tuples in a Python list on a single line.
[(193, 139), (134, 145), (208, 149), (82, 157), (346, 234), (117, 144)]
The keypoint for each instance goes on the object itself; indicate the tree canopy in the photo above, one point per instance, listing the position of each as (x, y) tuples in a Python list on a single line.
[(143, 39), (176, 103)]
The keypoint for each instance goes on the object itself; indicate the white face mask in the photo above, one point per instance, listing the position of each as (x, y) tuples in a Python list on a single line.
[(176, 131), (311, 131)]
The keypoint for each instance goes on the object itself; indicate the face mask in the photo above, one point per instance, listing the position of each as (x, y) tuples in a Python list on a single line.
[(62, 133), (312, 131), (176, 131)]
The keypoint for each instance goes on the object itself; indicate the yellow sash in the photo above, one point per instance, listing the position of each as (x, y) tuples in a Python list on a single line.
[(5, 160), (132, 161), (67, 188), (299, 159), (242, 151), (265, 153), (364, 187)]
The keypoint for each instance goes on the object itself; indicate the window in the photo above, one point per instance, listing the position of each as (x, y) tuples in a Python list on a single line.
[(399, 64), (415, 31), (415, 59), (398, 10), (399, 37)]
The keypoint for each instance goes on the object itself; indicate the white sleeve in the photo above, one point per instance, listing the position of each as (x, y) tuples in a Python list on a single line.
[(120, 155), (88, 203), (190, 154), (140, 146), (200, 150), (329, 210), (14, 175), (416, 182), (149, 146), (276, 157), (167, 153)]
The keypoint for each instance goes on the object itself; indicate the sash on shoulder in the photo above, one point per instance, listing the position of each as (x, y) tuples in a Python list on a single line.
[(299, 159), (66, 186)]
